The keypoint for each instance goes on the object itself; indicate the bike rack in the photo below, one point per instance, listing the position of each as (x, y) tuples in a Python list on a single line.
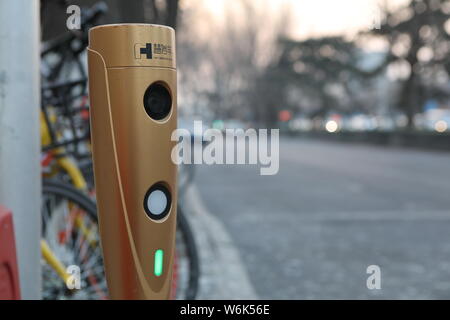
[(132, 89)]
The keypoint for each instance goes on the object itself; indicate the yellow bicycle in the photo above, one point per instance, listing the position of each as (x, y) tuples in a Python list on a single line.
[(72, 265)]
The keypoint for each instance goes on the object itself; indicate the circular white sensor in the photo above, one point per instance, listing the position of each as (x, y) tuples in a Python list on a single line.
[(157, 202)]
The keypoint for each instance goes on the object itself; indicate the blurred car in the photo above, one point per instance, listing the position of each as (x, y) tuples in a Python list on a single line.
[(301, 124)]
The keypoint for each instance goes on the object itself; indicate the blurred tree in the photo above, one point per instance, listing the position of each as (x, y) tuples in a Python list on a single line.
[(160, 11), (322, 75), (221, 63), (164, 12), (419, 52), (325, 73)]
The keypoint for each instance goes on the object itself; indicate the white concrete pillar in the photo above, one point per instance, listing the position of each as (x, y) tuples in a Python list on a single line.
[(20, 172)]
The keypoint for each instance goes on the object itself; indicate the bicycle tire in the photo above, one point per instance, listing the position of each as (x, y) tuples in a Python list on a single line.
[(60, 193), (63, 188), (194, 265)]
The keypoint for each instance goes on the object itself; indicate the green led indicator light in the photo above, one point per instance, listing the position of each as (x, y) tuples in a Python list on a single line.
[(159, 261)]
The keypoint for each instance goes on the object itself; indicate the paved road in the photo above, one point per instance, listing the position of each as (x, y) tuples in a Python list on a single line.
[(334, 209)]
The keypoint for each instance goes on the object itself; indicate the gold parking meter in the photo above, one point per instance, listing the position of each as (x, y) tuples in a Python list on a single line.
[(132, 89)]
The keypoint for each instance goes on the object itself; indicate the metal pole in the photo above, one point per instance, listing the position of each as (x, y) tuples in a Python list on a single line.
[(20, 173)]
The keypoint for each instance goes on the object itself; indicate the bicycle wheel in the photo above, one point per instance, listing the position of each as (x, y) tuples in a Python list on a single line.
[(187, 266), (70, 236)]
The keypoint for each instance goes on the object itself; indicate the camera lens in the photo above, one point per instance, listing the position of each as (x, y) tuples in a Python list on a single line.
[(157, 101)]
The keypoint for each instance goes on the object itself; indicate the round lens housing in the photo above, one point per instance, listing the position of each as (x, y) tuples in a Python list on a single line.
[(157, 101), (157, 201)]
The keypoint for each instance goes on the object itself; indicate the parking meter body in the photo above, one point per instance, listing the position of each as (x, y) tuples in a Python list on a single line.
[(132, 89)]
